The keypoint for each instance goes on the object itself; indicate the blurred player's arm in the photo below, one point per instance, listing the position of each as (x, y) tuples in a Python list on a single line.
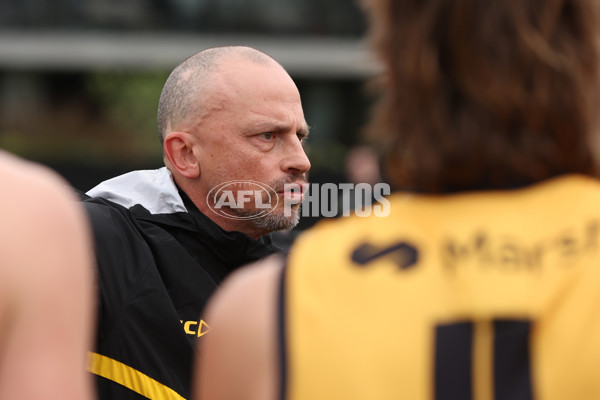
[(241, 346), (46, 309)]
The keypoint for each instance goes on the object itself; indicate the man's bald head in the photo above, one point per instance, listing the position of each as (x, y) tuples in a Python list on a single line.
[(183, 92)]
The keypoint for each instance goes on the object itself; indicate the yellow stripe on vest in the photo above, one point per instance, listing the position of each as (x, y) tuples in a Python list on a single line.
[(130, 378)]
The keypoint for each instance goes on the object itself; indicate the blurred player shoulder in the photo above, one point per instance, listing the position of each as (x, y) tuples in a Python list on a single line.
[(46, 302), (246, 299), (20, 177), (41, 222), (39, 214)]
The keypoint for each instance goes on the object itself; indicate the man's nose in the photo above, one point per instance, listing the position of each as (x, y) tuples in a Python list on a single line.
[(295, 160)]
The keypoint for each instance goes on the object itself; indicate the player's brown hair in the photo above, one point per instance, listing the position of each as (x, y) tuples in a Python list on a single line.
[(485, 94)]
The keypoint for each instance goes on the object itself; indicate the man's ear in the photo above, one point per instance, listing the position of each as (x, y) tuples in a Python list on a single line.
[(179, 151)]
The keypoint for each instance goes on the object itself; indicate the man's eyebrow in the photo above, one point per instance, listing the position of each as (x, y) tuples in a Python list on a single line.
[(268, 126), (304, 130)]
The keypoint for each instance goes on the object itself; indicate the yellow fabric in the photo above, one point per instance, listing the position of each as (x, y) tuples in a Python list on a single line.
[(130, 378), (367, 331), (482, 361)]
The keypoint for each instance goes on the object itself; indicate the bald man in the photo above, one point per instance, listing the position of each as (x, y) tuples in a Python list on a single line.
[(231, 124), (45, 286)]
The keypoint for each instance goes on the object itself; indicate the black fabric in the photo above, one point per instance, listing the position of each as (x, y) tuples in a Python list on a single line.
[(512, 360), (155, 271), (453, 361)]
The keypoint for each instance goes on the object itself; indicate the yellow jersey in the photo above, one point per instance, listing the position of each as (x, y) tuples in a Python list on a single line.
[(482, 295)]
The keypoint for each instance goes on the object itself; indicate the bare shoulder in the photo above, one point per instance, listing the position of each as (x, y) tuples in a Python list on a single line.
[(35, 204), (43, 227), (36, 194), (45, 281), (248, 297), (252, 286), (24, 182), (241, 345)]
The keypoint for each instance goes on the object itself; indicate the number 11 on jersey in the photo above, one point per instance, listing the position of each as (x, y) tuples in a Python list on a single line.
[(483, 360)]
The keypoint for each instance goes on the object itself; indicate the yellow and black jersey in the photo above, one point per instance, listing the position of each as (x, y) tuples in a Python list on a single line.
[(484, 295), (159, 259)]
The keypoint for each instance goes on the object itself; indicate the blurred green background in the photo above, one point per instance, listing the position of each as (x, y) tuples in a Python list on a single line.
[(80, 80)]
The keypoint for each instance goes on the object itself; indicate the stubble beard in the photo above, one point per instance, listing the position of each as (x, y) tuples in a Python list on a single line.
[(272, 222), (278, 219)]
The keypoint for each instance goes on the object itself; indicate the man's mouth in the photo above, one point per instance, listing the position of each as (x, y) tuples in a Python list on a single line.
[(293, 192)]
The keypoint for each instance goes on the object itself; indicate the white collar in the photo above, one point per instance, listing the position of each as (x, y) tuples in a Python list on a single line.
[(154, 190)]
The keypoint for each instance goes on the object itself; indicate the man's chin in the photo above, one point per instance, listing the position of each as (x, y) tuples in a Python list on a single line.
[(273, 221)]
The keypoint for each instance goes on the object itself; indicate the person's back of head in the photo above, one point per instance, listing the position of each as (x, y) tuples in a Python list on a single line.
[(485, 94)]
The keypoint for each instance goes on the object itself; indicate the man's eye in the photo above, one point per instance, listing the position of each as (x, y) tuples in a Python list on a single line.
[(267, 135)]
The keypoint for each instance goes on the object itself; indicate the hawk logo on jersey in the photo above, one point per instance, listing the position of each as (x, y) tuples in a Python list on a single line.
[(405, 255)]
